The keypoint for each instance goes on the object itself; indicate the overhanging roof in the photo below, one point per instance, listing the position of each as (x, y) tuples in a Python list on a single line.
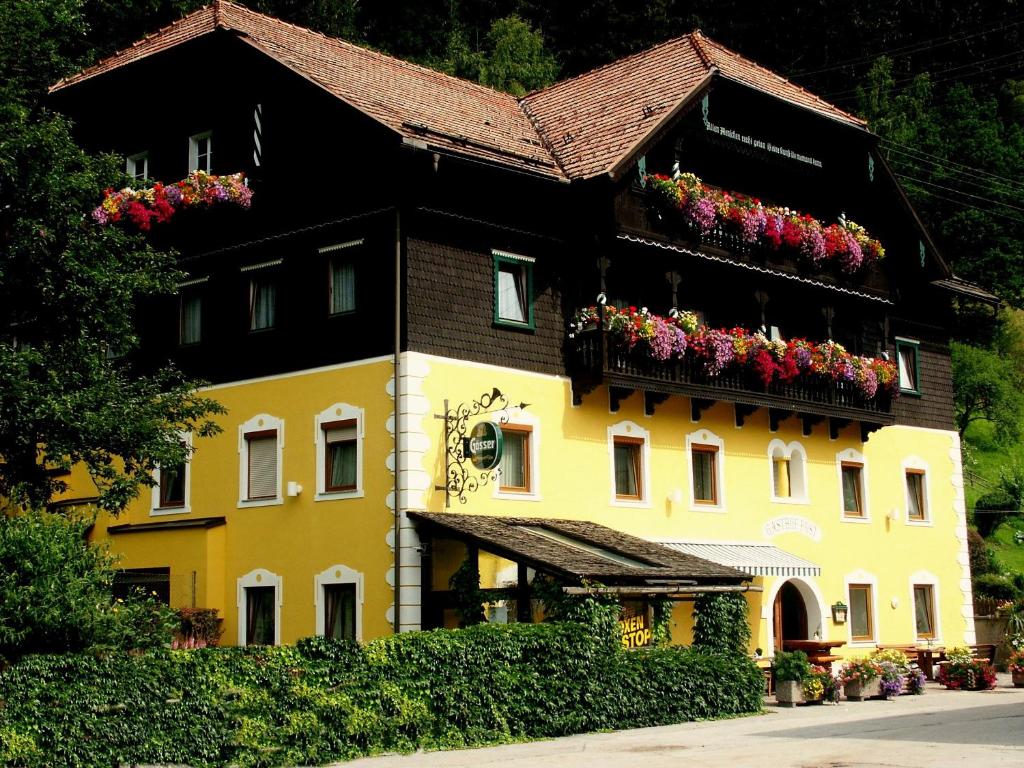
[(967, 289), (754, 559), (578, 549)]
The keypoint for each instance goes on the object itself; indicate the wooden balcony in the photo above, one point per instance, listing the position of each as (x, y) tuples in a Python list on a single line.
[(594, 360)]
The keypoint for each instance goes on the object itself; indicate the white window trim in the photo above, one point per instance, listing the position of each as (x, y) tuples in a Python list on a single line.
[(852, 456), (789, 451), (911, 463), (259, 577), (862, 577), (258, 423), (706, 437), (156, 510), (516, 418), (338, 412), (193, 151), (926, 578), (632, 430), (338, 574), (131, 165)]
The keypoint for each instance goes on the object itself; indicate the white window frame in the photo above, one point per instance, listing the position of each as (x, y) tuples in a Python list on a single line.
[(338, 412), (338, 574), (926, 579), (155, 509), (792, 452), (259, 577), (706, 437), (916, 463), (193, 151), (853, 456), (520, 418), (862, 577), (633, 431), (258, 423), (131, 165)]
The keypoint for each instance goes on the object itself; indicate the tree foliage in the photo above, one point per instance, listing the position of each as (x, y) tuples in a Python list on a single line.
[(721, 624), (986, 385)]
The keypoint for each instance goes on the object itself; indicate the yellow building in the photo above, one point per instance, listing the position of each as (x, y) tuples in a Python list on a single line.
[(346, 330)]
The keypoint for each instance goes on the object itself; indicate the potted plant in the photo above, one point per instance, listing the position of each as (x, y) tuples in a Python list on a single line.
[(897, 673), (790, 671), (860, 678), (820, 686), (961, 672), (1016, 665)]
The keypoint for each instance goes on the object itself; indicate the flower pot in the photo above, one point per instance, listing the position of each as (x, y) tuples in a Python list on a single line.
[(788, 693), (858, 691), (1018, 679)]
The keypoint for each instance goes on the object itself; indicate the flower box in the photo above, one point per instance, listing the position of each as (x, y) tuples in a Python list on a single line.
[(856, 690), (788, 693)]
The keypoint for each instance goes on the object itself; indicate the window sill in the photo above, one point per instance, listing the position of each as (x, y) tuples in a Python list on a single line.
[(858, 520), (911, 392), (926, 523), (358, 493), (163, 511), (804, 502), (716, 508), (635, 504), (518, 496), (862, 644), (244, 503), (511, 325)]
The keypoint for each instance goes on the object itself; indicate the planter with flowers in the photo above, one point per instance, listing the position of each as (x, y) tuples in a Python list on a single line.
[(961, 672), (861, 679), (820, 685), (1016, 665), (791, 669), (745, 224), (146, 206), (898, 674), (678, 347)]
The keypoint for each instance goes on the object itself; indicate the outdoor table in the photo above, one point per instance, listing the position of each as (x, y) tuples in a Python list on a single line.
[(927, 658), (818, 651)]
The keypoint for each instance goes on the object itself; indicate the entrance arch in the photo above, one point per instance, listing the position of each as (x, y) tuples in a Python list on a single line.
[(797, 612)]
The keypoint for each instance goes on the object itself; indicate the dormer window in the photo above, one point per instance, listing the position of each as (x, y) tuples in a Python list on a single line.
[(200, 152), (137, 166)]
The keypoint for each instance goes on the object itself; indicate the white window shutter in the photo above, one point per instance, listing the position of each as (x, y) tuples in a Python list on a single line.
[(263, 467)]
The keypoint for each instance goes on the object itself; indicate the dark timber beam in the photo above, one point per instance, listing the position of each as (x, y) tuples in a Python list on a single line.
[(698, 405), (835, 426), (809, 420), (652, 400), (776, 416), (866, 428), (616, 395), (742, 412)]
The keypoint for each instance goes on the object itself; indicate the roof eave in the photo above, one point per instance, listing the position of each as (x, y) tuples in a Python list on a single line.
[(849, 122)]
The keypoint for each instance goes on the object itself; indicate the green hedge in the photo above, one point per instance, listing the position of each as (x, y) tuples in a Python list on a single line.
[(324, 700)]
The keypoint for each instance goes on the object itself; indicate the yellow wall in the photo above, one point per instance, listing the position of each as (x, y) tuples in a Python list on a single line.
[(301, 537)]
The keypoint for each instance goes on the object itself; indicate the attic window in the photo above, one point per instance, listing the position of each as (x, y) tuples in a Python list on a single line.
[(200, 152)]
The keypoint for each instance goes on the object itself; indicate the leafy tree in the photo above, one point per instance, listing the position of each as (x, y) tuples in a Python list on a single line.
[(720, 623), (55, 591), (986, 386), (516, 60)]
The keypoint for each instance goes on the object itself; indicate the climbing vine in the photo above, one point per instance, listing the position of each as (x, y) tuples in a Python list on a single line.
[(469, 598)]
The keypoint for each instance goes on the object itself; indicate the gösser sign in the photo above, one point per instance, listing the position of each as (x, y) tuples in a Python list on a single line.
[(483, 446)]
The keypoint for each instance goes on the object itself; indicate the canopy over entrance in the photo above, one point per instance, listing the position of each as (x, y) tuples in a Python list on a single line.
[(753, 559)]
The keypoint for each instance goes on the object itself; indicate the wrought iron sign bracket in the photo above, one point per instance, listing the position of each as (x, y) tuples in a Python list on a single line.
[(461, 476)]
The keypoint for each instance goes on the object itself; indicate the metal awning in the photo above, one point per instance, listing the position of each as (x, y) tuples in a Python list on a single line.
[(755, 559)]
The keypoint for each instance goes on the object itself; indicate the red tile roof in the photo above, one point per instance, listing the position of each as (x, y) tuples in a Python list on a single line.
[(592, 121), (578, 128)]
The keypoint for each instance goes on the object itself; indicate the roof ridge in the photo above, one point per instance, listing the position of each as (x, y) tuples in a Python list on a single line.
[(614, 63), (696, 38), (735, 54)]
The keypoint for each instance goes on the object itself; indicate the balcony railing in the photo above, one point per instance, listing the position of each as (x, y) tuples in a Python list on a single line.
[(596, 359)]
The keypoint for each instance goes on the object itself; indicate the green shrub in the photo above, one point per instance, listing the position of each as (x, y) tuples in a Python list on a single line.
[(987, 510), (982, 558), (325, 700), (791, 666), (996, 586), (720, 623)]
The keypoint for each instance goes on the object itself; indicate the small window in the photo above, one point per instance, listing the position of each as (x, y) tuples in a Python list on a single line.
[(515, 460), (861, 625), (703, 460), (513, 290), (172, 486), (916, 509), (261, 458), (137, 166), (342, 286), (924, 611), (341, 455), (909, 370), (262, 303), (191, 319), (259, 616), (200, 152), (340, 611), (628, 468), (853, 490)]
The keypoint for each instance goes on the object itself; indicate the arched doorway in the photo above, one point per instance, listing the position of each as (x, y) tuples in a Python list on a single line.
[(790, 615)]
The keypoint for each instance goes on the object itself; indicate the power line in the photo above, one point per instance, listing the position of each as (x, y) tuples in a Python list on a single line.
[(959, 192), (906, 50), (962, 204), (960, 177), (945, 162)]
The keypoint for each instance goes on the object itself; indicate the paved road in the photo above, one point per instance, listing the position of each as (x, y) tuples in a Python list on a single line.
[(941, 728)]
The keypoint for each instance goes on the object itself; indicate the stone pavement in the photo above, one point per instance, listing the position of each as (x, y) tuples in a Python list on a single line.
[(941, 728)]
